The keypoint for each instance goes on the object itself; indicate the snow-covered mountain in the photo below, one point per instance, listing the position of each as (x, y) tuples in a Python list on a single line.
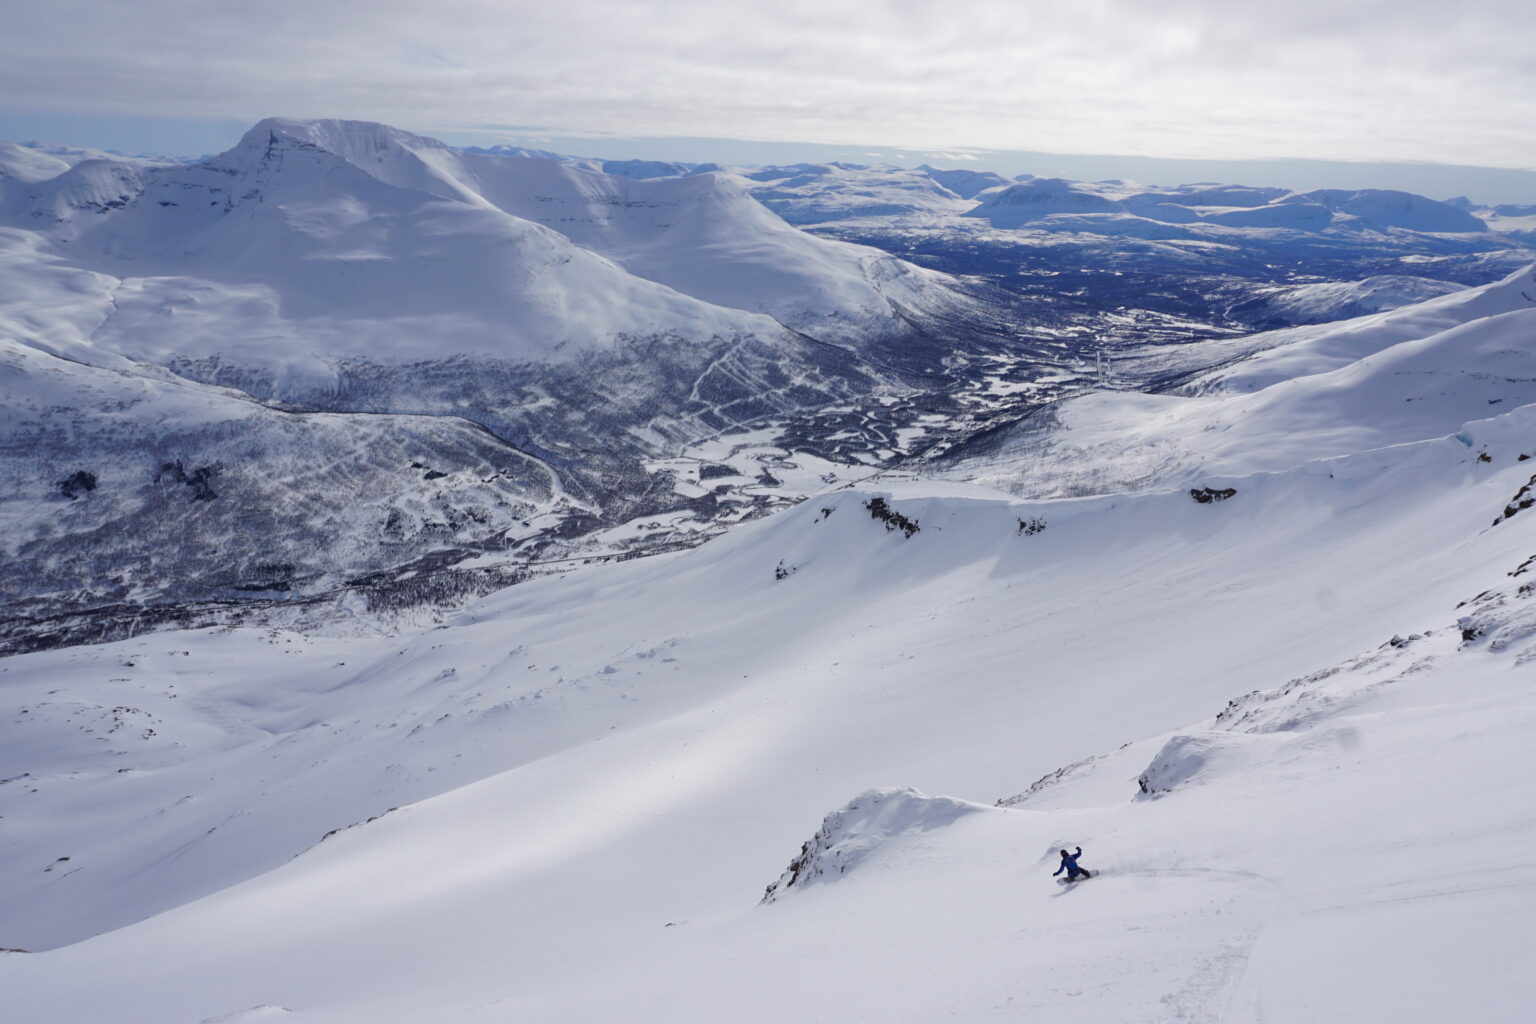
[(1057, 204), (821, 193), (1284, 710), (351, 240)]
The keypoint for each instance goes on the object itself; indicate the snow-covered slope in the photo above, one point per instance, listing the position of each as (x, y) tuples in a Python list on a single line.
[(1283, 355), (1330, 301), (23, 165), (343, 240), (1310, 393), (597, 775), (1031, 201), (964, 183)]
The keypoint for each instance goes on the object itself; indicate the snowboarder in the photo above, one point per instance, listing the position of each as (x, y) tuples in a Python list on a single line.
[(1069, 865)]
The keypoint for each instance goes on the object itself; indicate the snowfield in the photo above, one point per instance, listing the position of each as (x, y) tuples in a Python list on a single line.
[(1286, 713)]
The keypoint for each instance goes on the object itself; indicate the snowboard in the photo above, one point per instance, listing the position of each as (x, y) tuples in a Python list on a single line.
[(1073, 881)]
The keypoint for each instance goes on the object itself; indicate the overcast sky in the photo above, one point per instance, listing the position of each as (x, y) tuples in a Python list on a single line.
[(1396, 80)]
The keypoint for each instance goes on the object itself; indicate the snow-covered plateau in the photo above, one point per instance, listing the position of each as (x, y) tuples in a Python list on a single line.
[(1261, 643)]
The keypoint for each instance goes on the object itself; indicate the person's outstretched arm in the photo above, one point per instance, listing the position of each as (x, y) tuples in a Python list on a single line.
[(1059, 870)]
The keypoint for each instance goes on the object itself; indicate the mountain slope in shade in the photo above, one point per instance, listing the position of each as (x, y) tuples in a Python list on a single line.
[(144, 488)]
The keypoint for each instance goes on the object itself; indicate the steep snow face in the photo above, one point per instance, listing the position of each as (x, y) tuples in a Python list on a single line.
[(704, 236)]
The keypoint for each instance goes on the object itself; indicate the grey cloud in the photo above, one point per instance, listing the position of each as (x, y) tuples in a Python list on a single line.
[(1366, 79)]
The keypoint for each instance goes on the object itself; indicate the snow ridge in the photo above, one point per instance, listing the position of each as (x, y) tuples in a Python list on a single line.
[(858, 831)]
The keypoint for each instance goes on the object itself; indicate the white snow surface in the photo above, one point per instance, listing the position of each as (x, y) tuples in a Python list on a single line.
[(564, 805)]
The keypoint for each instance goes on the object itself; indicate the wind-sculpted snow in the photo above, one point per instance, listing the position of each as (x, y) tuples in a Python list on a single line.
[(858, 832), (1186, 758)]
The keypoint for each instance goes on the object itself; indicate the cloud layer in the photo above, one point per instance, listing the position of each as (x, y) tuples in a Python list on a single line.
[(1362, 79)]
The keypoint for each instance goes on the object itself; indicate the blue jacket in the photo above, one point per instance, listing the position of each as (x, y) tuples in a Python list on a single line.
[(1069, 863)]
